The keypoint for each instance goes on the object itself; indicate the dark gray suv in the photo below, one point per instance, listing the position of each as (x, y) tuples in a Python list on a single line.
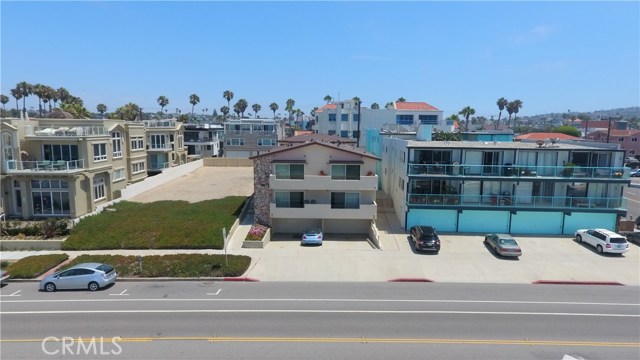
[(425, 238)]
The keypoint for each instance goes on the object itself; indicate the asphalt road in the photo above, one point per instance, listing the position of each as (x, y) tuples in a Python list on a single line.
[(193, 320)]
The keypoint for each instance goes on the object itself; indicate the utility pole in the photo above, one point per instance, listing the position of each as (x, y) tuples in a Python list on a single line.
[(359, 121), (609, 130)]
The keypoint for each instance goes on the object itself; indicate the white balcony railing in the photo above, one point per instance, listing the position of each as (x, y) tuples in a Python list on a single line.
[(44, 165), (324, 182), (158, 165), (75, 131), (324, 211)]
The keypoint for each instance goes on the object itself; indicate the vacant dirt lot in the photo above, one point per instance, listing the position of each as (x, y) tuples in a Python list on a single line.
[(203, 184)]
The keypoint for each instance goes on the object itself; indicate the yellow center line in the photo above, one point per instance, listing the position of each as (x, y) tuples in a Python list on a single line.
[(352, 340)]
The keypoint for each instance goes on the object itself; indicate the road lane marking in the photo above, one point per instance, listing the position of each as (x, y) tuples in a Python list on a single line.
[(339, 300), (14, 294), (121, 294), (215, 339), (215, 293), (309, 311)]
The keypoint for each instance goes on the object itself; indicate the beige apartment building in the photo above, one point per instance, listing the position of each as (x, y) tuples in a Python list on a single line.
[(165, 144), (67, 167), (316, 184)]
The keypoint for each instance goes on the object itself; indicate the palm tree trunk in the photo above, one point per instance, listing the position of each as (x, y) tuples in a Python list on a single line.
[(24, 104), (192, 107), (499, 116), (49, 106), (17, 106)]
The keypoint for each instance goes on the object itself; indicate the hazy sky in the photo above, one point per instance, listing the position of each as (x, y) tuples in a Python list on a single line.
[(553, 56)]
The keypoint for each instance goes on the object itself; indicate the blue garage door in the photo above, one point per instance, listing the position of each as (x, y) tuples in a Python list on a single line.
[(536, 222), (577, 221), (443, 220), (480, 221)]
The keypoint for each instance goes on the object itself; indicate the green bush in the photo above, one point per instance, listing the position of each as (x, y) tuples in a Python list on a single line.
[(157, 225), (46, 228), (33, 266), (178, 265)]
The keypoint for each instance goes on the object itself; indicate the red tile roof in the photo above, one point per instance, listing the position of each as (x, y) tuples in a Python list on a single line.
[(406, 105), (327, 106), (545, 135)]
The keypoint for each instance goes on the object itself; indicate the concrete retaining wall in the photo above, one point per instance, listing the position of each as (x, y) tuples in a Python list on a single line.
[(373, 235), (253, 244), (228, 162), (30, 245)]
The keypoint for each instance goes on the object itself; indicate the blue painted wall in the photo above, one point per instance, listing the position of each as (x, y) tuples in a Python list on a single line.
[(442, 220), (484, 221), (536, 222), (588, 221)]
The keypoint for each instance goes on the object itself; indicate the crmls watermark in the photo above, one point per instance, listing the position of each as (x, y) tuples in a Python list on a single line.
[(67, 345)]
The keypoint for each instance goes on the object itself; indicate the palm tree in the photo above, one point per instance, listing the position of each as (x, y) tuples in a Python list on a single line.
[(256, 108), (236, 109), (467, 111), (49, 94), (25, 89), (313, 111), (18, 95), (129, 112), (502, 103), (274, 107), (4, 99), (289, 108), (388, 105), (242, 106), (38, 91), (224, 110), (375, 106), (193, 100), (63, 94), (510, 111), (356, 100), (328, 98), (516, 105), (102, 108), (162, 101), (401, 99), (228, 94)]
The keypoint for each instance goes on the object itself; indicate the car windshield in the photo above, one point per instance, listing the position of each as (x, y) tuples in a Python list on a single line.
[(617, 240), (428, 237), (106, 268), (312, 232), (508, 242)]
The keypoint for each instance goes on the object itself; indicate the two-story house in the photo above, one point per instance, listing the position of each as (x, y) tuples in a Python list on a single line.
[(316, 184), (202, 140), (244, 138), (67, 167), (516, 187), (165, 144)]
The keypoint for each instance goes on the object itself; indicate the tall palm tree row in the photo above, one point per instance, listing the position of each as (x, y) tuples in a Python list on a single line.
[(274, 107), (193, 100), (162, 101), (502, 103), (467, 111), (256, 108)]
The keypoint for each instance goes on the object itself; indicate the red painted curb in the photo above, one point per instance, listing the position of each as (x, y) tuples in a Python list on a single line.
[(569, 282), (410, 280), (244, 279)]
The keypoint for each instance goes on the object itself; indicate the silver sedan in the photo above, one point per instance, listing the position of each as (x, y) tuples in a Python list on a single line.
[(92, 276), (503, 244)]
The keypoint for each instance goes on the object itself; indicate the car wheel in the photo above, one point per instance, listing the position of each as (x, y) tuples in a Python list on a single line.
[(93, 286), (599, 248), (579, 238), (49, 287)]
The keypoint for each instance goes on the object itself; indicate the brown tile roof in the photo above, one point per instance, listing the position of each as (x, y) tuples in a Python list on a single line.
[(618, 132), (545, 135), (339, 146), (406, 105), (327, 106)]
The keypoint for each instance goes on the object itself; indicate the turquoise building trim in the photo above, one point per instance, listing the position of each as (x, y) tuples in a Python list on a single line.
[(443, 220), (536, 222), (577, 221)]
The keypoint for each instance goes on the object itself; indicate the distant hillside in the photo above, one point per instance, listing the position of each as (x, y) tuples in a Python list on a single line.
[(630, 114)]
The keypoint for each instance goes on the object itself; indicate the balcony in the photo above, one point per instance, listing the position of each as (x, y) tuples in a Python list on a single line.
[(159, 147), (324, 211), (324, 182), (168, 124), (510, 202), (158, 165), (520, 171), (15, 166), (61, 131), (201, 141)]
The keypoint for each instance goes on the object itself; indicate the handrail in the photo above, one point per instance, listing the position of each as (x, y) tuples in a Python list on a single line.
[(516, 201), (615, 172)]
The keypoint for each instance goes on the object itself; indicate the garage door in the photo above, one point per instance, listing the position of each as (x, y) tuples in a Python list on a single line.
[(443, 220), (577, 221), (536, 222), (483, 221), (294, 226), (339, 226)]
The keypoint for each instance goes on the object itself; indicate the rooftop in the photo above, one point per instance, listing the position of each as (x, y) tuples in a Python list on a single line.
[(545, 135), (509, 145), (406, 105)]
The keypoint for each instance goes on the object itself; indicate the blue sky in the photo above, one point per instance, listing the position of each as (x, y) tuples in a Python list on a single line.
[(553, 56)]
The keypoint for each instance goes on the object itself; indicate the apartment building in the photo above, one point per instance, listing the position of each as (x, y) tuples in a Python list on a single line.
[(342, 118), (507, 187), (244, 138), (627, 139), (67, 167), (203, 140), (316, 184), (165, 144)]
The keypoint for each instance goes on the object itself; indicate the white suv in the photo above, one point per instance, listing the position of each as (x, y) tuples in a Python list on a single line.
[(603, 240)]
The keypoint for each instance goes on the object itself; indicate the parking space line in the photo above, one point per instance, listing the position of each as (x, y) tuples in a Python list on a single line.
[(121, 294), (14, 294), (216, 293)]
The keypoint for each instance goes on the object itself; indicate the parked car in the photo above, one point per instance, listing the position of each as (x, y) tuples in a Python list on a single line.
[(92, 276), (503, 244), (312, 236), (603, 240), (425, 238), (635, 173), (4, 277), (634, 237)]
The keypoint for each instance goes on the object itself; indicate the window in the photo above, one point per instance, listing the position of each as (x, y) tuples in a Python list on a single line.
[(266, 142), (404, 119), (7, 146), (331, 132), (344, 133), (50, 197), (345, 172), (290, 171), (345, 200), (428, 119), (635, 139), (356, 117), (137, 167), (332, 117), (137, 143), (157, 141), (620, 139), (98, 189), (235, 142), (356, 134), (118, 174), (289, 199), (60, 152), (344, 117), (99, 152), (117, 144)]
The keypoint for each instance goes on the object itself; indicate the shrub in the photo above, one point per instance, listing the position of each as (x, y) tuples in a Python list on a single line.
[(46, 228), (34, 266), (52, 227), (257, 232)]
